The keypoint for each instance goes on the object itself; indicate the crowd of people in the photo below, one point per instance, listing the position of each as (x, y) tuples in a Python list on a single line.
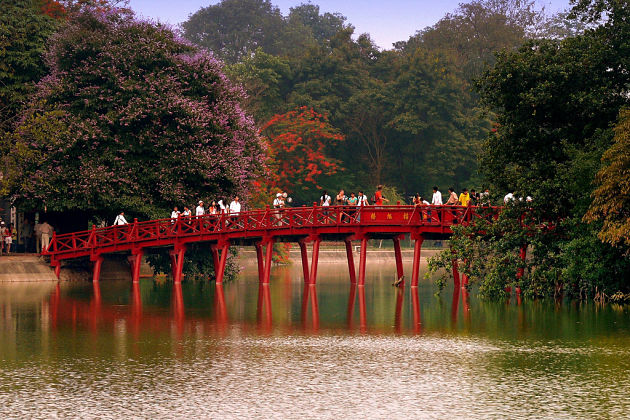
[(34, 238), (465, 198)]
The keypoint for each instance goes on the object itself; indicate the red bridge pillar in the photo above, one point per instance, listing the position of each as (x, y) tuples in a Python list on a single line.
[(362, 260), (177, 262), (399, 264), (417, 249), (220, 260), (97, 260), (304, 254), (315, 258), (351, 269), (135, 260)]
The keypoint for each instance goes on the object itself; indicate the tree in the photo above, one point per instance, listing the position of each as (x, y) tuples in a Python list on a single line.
[(235, 29), (611, 199), (24, 29), (297, 144), (131, 118), (555, 102), (322, 27)]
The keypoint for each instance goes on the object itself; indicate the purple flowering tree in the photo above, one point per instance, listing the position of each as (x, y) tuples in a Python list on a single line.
[(131, 117)]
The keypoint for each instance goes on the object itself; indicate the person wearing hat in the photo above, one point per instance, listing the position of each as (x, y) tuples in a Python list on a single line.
[(200, 211)]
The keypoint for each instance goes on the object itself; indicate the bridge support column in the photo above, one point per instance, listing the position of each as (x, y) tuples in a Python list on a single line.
[(177, 262), (399, 264), (135, 260), (220, 260), (304, 254), (268, 260), (261, 262), (97, 261), (313, 276), (351, 269), (362, 258), (417, 250)]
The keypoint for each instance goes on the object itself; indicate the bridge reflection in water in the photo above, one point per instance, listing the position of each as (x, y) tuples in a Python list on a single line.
[(211, 312)]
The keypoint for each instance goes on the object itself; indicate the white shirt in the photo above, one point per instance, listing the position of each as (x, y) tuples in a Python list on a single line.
[(221, 206), (363, 201), (278, 202), (174, 214), (186, 213), (325, 200), (508, 197), (437, 199), (200, 211), (425, 202), (235, 207), (120, 220)]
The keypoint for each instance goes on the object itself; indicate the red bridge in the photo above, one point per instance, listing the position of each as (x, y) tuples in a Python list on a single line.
[(261, 229)]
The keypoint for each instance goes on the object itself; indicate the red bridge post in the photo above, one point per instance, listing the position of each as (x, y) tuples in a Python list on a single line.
[(219, 268), (362, 258), (399, 264), (313, 277), (177, 262), (259, 259), (97, 260), (135, 260), (351, 269), (268, 259), (304, 254), (417, 250)]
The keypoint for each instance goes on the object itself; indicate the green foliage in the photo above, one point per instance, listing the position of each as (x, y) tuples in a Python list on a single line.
[(611, 199), (555, 103), (24, 30)]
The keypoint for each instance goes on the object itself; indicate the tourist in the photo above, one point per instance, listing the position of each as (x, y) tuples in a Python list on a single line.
[(325, 199), (220, 207), (378, 196), (484, 197), (474, 198), (186, 212), (509, 197), (120, 220), (352, 200), (175, 214), (235, 206), (212, 209), (362, 199), (278, 204), (47, 232), (452, 198), (341, 198), (200, 211), (437, 197), (417, 200), (464, 198), (5, 236)]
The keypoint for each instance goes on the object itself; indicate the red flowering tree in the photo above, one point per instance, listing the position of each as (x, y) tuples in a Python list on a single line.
[(297, 151)]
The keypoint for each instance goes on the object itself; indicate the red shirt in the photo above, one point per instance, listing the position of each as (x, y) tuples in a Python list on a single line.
[(378, 198)]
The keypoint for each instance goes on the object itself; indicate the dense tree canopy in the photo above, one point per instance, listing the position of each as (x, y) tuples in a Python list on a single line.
[(24, 28), (131, 118), (556, 102)]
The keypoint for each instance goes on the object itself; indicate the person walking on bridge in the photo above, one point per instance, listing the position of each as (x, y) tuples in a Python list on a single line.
[(464, 198), (200, 211), (120, 220), (378, 196), (47, 232)]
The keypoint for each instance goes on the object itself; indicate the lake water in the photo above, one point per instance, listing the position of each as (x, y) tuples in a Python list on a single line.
[(285, 351)]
